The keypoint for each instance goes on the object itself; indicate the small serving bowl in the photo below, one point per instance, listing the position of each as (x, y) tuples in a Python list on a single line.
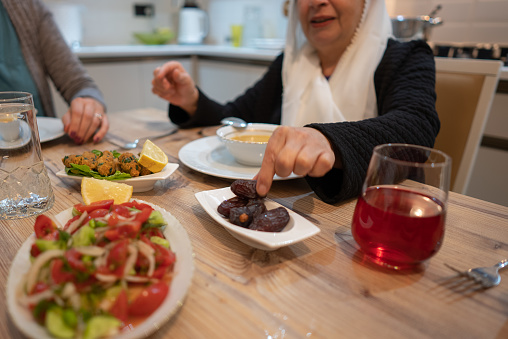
[(247, 145), (298, 228)]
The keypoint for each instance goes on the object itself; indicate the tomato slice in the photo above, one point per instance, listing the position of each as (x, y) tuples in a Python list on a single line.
[(152, 232), (121, 210), (137, 205), (39, 287), (35, 251), (74, 259), (129, 230), (149, 299), (117, 255), (120, 308), (143, 216), (58, 274), (98, 213), (163, 256), (159, 272), (70, 221), (113, 219), (103, 204), (44, 226)]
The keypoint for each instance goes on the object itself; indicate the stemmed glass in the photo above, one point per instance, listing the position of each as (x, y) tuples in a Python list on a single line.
[(399, 219)]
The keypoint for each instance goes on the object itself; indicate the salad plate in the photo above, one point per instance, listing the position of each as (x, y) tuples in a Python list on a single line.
[(182, 278), (140, 184), (296, 230), (50, 128), (210, 156)]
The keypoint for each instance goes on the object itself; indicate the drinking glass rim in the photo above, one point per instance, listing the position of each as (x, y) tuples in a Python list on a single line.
[(447, 159), (22, 95)]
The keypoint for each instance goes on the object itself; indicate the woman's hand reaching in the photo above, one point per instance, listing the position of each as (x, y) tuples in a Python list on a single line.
[(301, 150), (84, 119), (172, 83)]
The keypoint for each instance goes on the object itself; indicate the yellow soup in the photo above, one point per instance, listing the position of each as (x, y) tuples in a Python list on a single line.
[(251, 138)]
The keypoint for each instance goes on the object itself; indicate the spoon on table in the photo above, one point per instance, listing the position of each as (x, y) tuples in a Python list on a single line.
[(234, 121)]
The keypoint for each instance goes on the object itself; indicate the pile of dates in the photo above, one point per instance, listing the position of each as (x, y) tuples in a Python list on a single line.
[(248, 210)]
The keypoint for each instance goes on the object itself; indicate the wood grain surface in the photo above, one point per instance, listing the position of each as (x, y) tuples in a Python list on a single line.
[(318, 288)]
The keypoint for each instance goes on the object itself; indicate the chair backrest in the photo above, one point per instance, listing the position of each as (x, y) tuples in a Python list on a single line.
[(465, 89)]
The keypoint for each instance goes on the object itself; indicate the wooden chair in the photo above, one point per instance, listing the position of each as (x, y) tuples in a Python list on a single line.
[(465, 89)]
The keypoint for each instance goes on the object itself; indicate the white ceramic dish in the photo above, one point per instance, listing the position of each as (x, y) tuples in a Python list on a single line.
[(246, 152), (209, 156), (183, 272), (296, 230), (50, 128), (24, 138), (139, 184)]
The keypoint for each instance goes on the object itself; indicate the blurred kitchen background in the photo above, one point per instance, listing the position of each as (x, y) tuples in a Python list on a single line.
[(113, 22), (227, 45)]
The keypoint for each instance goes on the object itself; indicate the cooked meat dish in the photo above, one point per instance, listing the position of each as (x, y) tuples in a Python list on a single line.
[(107, 164)]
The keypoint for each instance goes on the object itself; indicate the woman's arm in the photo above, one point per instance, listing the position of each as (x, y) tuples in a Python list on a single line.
[(260, 103), (405, 91)]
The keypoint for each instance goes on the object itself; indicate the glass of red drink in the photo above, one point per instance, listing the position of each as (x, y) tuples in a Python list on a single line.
[(400, 216)]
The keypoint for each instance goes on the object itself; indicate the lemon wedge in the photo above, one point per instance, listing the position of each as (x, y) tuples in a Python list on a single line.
[(152, 157), (93, 190)]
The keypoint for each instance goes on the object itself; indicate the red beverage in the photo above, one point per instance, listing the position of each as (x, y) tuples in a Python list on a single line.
[(397, 227)]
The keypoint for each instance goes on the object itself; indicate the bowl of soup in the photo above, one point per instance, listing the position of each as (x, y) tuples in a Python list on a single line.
[(247, 145)]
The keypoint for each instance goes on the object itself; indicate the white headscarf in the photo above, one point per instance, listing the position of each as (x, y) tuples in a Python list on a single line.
[(349, 94)]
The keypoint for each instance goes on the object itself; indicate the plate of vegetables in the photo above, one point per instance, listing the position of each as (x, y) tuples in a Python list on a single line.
[(100, 271)]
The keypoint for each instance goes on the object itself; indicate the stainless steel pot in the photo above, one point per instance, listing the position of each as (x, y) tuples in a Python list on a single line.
[(406, 29)]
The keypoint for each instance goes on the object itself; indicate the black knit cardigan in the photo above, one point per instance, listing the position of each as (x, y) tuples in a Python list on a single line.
[(405, 91)]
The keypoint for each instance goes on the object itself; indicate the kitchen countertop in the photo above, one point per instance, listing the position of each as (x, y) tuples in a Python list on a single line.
[(120, 51)]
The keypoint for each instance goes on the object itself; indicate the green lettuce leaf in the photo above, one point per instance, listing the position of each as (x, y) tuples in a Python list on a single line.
[(84, 170)]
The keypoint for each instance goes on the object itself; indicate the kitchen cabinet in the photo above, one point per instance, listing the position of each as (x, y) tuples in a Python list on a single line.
[(224, 80), (489, 180), (125, 84)]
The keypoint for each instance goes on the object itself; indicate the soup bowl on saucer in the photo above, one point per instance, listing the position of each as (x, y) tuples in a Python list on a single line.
[(247, 145)]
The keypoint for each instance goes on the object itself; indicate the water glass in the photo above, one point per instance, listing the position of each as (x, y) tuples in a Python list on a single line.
[(25, 188), (399, 219)]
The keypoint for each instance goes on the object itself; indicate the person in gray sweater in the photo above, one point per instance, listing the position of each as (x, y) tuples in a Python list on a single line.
[(333, 112), (32, 51)]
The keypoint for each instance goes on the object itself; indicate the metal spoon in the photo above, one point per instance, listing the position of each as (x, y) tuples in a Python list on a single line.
[(434, 12), (235, 122)]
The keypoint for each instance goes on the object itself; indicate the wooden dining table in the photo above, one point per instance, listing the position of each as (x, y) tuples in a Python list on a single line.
[(321, 287)]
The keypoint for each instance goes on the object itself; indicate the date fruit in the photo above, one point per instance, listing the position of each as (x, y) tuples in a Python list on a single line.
[(225, 207), (247, 209), (241, 216), (245, 188), (271, 221)]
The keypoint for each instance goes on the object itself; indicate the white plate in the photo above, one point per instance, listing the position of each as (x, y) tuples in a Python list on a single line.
[(24, 137), (296, 230), (50, 128), (140, 184), (183, 272), (209, 156)]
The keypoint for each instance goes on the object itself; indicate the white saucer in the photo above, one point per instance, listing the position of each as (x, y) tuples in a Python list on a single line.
[(209, 156), (49, 128), (24, 137)]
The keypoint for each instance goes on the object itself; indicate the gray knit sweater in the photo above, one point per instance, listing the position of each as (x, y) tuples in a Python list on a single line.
[(47, 55)]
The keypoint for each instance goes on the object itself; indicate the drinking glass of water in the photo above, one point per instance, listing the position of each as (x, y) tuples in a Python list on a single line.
[(399, 219), (25, 188)]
